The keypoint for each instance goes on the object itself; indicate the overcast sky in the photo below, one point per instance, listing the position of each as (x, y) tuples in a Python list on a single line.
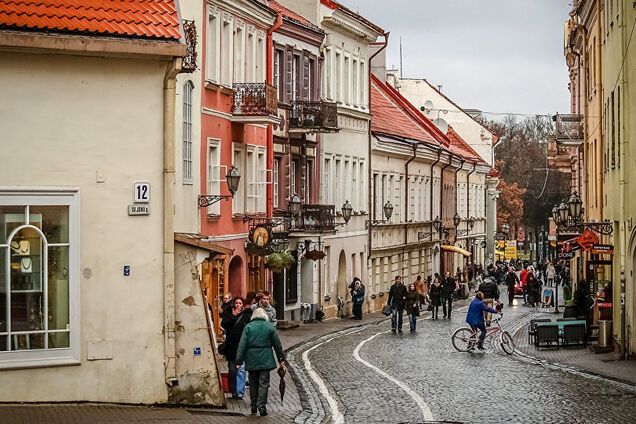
[(493, 55)]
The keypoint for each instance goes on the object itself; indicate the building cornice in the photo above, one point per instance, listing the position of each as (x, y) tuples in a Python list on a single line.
[(248, 10), (89, 45)]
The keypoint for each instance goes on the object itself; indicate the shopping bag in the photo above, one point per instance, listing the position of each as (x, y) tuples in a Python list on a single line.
[(386, 310)]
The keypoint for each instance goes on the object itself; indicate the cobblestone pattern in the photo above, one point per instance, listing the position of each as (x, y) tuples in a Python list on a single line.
[(461, 387)]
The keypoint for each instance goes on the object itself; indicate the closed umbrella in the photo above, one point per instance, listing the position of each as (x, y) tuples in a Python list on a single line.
[(281, 386)]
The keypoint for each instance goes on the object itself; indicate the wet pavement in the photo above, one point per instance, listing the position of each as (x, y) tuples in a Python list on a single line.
[(416, 377)]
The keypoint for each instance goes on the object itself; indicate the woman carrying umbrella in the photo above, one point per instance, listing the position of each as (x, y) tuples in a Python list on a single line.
[(255, 349)]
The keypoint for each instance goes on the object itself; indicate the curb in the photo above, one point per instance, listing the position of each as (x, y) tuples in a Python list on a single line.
[(530, 359)]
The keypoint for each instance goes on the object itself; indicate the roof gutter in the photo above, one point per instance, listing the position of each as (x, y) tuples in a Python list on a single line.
[(370, 206)]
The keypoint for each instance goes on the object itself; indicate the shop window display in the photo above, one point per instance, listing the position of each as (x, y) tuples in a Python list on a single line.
[(34, 277)]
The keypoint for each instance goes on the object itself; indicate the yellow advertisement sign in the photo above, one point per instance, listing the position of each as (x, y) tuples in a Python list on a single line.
[(510, 250), (500, 246)]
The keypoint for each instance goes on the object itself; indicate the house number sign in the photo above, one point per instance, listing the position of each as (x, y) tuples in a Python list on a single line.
[(141, 199)]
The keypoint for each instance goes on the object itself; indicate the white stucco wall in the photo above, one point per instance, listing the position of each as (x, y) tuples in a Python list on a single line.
[(418, 91), (187, 217), (65, 120)]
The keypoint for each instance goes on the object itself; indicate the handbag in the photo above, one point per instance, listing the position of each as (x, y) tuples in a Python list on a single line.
[(386, 310), (429, 307), (221, 349)]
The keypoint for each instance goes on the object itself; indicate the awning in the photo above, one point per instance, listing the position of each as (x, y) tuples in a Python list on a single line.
[(455, 249), (201, 241)]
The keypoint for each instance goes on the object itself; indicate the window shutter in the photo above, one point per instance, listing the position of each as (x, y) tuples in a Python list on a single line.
[(317, 94), (305, 77), (289, 57)]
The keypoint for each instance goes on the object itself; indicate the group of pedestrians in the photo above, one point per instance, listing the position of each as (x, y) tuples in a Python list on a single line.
[(249, 346)]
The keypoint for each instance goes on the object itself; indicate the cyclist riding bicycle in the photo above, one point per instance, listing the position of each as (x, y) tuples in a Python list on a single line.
[(475, 316)]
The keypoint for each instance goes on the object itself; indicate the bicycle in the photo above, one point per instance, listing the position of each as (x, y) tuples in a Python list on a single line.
[(465, 339)]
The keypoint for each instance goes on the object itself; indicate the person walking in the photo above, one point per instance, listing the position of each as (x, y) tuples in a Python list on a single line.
[(226, 306), (420, 289), (511, 282), (255, 351), (357, 296), (234, 324), (550, 274), (266, 303), (533, 287), (475, 317), (436, 296), (490, 290), (397, 299), (412, 306), (449, 286)]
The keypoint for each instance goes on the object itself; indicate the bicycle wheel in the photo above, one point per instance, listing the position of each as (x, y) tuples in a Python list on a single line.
[(507, 344), (462, 339)]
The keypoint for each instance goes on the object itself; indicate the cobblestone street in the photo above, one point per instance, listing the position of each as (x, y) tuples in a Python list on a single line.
[(421, 377)]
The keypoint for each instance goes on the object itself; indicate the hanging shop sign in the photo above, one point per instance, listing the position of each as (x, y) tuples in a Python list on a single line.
[(587, 239), (603, 249)]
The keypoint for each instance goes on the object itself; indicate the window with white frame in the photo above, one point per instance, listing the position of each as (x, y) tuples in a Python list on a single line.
[(353, 196), (251, 167), (238, 160), (214, 173), (338, 182), (347, 81), (275, 199), (295, 78), (310, 78), (250, 58), (362, 187), (213, 48), (39, 291), (338, 77), (261, 174), (239, 54), (188, 89), (363, 85), (260, 59), (293, 169), (354, 84), (227, 52), (327, 184), (279, 74), (327, 84)]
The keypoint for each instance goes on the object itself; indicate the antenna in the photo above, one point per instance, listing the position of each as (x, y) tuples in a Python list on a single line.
[(428, 106), (401, 65), (441, 124), (439, 88)]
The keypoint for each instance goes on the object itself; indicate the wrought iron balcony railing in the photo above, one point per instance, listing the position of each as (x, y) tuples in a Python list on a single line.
[(569, 128), (254, 99), (315, 116), (189, 63), (316, 218)]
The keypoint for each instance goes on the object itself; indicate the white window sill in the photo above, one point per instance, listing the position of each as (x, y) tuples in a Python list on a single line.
[(37, 361)]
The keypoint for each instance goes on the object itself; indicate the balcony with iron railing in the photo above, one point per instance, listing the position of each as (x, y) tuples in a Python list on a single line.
[(315, 219), (254, 103), (569, 128), (313, 116)]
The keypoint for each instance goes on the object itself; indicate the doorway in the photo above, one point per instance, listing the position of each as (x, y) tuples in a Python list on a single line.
[(235, 277), (341, 283)]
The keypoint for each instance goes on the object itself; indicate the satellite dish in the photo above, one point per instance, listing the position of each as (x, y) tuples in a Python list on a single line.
[(428, 106), (441, 124)]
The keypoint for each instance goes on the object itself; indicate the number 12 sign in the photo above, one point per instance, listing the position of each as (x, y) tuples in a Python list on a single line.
[(141, 192)]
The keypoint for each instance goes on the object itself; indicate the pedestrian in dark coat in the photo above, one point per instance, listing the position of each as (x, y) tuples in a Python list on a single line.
[(511, 281), (436, 297), (412, 306), (534, 289), (449, 286), (357, 296), (397, 299), (255, 350), (490, 290), (233, 324)]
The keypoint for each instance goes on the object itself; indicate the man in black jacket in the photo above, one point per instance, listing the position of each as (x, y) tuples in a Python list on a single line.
[(449, 286), (397, 300), (491, 293), (511, 281)]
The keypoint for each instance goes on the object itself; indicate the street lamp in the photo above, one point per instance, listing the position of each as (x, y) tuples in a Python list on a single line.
[(294, 205), (437, 224), (575, 206), (388, 210), (456, 220), (346, 210), (232, 178), (471, 223), (505, 229), (563, 212)]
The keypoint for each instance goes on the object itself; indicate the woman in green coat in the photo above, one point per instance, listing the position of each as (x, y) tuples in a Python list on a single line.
[(255, 349)]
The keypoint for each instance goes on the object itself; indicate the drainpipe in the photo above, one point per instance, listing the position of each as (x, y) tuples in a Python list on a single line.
[(406, 190), (439, 157), (270, 131), (169, 99), (406, 203), (369, 149)]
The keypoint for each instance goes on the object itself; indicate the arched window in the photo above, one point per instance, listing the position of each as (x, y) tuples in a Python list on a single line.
[(39, 294), (188, 88)]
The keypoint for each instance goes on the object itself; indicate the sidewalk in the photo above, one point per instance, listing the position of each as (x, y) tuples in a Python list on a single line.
[(237, 411), (581, 358)]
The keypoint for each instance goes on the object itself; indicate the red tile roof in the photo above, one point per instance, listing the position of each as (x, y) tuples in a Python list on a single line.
[(293, 16), (155, 19), (460, 147), (391, 118)]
